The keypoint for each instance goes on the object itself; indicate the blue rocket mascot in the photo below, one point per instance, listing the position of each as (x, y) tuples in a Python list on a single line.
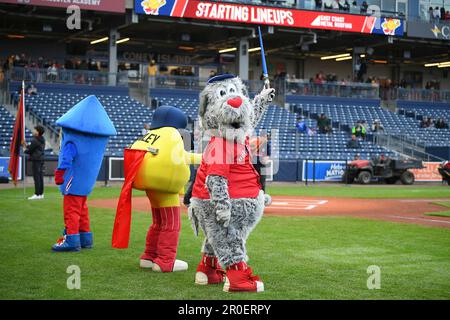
[(86, 129)]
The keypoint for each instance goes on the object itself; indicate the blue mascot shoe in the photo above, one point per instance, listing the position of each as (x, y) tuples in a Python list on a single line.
[(67, 243), (86, 240)]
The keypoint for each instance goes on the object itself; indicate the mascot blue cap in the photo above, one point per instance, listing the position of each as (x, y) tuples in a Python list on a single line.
[(168, 116), (221, 77), (88, 116)]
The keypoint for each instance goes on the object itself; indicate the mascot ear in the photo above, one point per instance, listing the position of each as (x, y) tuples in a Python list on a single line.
[(203, 103), (244, 91)]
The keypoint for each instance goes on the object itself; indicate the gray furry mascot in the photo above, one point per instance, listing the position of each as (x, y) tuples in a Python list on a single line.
[(227, 201)]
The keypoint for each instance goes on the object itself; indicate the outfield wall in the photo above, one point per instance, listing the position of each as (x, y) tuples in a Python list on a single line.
[(288, 170)]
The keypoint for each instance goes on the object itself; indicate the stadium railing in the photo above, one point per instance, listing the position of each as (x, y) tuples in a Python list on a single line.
[(71, 76), (428, 95), (404, 145), (283, 86), (351, 89)]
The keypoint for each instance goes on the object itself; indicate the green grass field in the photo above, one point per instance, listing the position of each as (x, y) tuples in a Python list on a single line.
[(442, 213), (297, 257)]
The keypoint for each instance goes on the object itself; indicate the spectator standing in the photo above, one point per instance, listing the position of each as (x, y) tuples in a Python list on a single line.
[(2, 76), (52, 72), (377, 126), (364, 7), (318, 4), (152, 71), (442, 13), (354, 7), (430, 14), (335, 4), (36, 152), (436, 15)]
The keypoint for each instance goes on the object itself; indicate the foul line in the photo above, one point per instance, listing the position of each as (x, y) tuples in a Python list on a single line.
[(411, 218)]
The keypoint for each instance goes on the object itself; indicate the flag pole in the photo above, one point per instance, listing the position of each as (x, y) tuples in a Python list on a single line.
[(23, 135), (263, 60)]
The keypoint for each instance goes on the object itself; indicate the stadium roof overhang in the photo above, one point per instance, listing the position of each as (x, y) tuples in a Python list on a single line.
[(165, 34)]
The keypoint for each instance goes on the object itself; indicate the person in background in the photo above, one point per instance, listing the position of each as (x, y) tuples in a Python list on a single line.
[(354, 7), (426, 123), (52, 72), (430, 14), (377, 126), (318, 4), (364, 7), (441, 124), (359, 130), (145, 129), (442, 13), (357, 157), (152, 71), (353, 143), (302, 127), (436, 14), (260, 147), (212, 73), (324, 124), (31, 89), (2, 75), (35, 150)]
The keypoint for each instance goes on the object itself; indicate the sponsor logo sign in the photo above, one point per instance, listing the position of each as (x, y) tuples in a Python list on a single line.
[(323, 170), (429, 173), (4, 163), (429, 30)]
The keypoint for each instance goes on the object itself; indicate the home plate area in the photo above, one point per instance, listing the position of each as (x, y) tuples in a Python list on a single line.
[(295, 204)]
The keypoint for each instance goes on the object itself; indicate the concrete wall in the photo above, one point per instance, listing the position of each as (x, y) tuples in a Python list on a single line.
[(33, 48)]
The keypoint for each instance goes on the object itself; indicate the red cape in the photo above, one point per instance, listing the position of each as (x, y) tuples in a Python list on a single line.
[(121, 233)]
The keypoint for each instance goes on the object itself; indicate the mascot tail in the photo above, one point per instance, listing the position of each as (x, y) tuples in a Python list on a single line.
[(122, 224)]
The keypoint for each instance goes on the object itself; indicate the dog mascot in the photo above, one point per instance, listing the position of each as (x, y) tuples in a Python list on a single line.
[(86, 129), (227, 201), (158, 164)]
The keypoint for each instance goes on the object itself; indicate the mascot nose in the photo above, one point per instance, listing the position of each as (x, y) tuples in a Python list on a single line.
[(235, 102)]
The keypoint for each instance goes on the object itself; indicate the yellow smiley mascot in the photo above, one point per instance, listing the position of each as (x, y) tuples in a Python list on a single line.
[(158, 164)]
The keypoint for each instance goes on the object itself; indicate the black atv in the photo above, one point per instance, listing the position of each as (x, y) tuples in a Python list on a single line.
[(387, 169)]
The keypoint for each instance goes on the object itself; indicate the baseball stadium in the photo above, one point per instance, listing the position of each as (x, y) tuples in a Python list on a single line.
[(225, 150)]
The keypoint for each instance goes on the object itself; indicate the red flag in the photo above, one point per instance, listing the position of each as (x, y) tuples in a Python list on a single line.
[(18, 138), (121, 233)]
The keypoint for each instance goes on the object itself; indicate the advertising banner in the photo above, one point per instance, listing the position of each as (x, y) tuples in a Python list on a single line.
[(248, 14), (97, 5), (328, 170), (429, 173), (4, 163), (421, 29)]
